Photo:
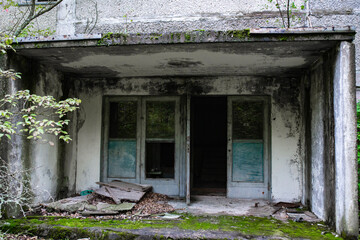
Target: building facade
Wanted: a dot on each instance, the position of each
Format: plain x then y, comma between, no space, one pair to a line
200,97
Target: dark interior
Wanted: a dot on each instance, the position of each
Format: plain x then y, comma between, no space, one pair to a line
208,145
160,160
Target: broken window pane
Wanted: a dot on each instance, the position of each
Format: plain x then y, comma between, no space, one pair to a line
247,120
160,159
160,139
123,119
160,119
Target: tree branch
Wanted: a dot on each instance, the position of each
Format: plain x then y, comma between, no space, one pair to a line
32,15
281,14
45,10
288,13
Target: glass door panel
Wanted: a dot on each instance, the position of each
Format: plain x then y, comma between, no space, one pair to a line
247,147
247,126
122,140
160,141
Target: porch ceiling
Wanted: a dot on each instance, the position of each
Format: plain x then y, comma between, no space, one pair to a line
214,57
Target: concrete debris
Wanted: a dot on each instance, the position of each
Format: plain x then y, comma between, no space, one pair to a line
71,205
119,195
115,198
125,186
80,204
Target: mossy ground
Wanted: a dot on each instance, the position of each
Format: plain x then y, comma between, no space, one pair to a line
247,226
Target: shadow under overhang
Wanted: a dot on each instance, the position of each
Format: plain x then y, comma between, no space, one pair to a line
225,54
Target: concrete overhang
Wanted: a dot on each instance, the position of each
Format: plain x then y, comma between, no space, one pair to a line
249,52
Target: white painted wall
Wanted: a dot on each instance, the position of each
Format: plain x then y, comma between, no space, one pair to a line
89,141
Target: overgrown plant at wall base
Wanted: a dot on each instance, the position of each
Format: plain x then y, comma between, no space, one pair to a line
28,116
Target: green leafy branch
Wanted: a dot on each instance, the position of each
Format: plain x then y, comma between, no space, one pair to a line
25,16
33,116
287,10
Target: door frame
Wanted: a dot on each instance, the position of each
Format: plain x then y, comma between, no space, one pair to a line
105,136
169,185
246,189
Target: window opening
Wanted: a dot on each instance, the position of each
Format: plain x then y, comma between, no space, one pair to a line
160,139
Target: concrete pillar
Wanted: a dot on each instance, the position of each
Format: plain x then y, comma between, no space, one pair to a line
12,151
66,18
3,91
345,143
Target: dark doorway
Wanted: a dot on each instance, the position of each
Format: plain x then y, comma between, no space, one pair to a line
208,145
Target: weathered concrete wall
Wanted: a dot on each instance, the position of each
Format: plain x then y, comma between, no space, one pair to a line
44,158
170,16
321,140
286,162
345,143
83,16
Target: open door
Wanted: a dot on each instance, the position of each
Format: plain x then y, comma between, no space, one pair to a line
248,148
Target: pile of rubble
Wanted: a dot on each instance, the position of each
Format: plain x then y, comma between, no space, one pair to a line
116,199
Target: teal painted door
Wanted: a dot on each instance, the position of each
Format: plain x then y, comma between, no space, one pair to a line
121,140
248,160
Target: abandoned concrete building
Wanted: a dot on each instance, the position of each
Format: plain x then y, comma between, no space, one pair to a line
199,97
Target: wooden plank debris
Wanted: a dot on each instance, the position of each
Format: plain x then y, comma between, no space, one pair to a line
125,186
112,195
119,195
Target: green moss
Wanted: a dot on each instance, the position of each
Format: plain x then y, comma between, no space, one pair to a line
244,225
178,36
187,37
112,36
239,34
155,36
289,38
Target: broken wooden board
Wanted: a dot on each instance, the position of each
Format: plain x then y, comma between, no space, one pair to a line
112,195
125,186
133,196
